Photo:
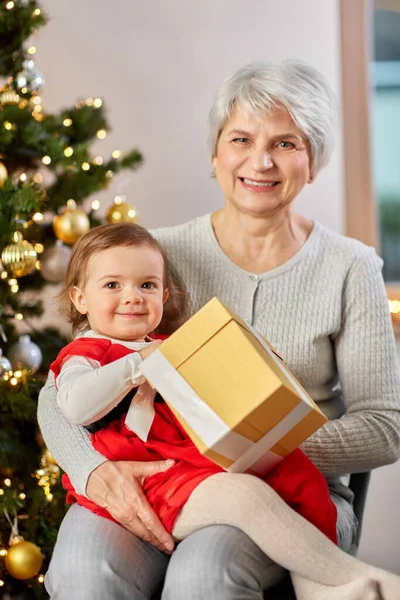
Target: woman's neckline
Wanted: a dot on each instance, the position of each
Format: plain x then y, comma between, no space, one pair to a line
293,260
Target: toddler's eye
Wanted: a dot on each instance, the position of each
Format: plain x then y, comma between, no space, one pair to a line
148,285
112,285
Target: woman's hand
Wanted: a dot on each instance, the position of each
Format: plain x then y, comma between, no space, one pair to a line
117,487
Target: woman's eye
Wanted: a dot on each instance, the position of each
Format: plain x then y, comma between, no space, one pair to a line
148,285
285,145
241,140
112,285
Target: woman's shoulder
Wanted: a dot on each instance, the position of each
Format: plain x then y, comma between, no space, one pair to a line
341,249
183,234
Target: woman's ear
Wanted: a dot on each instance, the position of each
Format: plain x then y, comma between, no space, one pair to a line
213,164
166,295
78,299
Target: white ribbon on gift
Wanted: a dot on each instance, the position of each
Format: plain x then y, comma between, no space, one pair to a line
140,415
210,428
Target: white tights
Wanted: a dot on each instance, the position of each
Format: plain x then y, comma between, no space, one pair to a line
318,568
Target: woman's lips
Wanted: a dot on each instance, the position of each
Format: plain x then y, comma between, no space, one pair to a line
263,185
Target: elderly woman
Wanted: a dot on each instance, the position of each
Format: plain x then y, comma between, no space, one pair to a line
317,296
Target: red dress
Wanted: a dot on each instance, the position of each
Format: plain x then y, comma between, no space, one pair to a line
295,479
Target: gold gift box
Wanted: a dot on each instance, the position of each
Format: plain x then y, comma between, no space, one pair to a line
231,391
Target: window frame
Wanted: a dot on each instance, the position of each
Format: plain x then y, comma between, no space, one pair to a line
361,218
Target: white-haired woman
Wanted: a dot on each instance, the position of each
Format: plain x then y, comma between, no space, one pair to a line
317,296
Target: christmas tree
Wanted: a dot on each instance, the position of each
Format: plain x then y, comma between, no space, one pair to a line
46,174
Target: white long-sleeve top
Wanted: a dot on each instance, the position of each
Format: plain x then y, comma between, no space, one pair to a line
325,311
88,391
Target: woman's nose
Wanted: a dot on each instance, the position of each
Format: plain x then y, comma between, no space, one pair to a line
261,160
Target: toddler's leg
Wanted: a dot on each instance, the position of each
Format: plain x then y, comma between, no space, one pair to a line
363,588
249,504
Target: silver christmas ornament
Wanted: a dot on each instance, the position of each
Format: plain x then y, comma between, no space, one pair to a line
29,80
54,262
25,354
5,366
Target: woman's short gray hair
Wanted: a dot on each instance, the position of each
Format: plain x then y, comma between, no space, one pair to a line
297,86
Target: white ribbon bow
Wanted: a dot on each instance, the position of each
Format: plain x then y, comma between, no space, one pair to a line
140,415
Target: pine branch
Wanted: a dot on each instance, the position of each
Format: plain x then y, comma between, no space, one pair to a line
10,502
17,201
17,403
16,26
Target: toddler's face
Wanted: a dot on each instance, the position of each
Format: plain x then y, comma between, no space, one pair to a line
124,292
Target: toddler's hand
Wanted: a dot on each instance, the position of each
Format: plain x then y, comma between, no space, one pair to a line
150,348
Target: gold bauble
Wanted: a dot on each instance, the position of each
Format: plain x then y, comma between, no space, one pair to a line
71,224
121,212
8,95
19,257
23,560
3,174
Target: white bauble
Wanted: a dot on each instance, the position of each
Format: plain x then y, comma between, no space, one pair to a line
54,262
25,354
5,365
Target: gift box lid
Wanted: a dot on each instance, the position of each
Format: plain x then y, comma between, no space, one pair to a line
196,332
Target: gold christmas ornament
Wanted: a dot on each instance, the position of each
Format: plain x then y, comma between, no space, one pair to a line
3,174
23,560
8,95
19,257
71,224
121,212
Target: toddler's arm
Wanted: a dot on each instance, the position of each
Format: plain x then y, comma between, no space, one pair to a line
88,391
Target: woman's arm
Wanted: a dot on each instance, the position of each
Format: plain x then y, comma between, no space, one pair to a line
69,444
368,435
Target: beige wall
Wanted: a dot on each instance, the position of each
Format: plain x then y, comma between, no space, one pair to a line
157,65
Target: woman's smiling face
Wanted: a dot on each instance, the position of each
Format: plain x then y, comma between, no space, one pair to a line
261,163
